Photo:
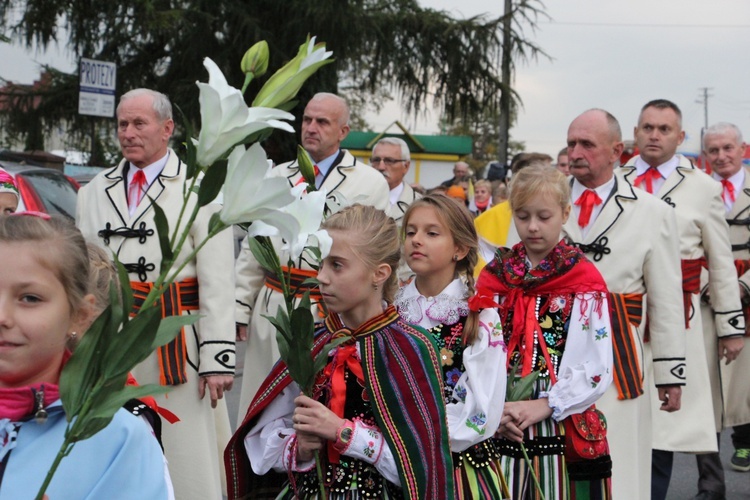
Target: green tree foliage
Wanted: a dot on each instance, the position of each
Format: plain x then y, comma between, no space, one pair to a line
380,46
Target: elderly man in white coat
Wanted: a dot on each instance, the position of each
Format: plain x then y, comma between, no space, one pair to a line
632,239
391,157
704,242
723,148
114,211
325,123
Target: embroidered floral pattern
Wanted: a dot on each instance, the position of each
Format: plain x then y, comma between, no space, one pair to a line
477,423
460,393
451,378
369,449
446,357
444,308
601,333
595,380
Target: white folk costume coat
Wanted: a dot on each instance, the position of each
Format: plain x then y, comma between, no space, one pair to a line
703,231
733,381
633,243
349,181
407,197
191,445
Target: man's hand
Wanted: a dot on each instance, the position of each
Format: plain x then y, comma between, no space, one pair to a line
730,348
670,397
216,384
241,332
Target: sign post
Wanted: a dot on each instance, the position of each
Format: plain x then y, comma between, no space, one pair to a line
96,93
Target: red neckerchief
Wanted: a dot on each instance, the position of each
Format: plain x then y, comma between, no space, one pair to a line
565,270
481,206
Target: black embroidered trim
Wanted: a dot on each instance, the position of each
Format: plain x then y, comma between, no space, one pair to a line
598,248
142,233
741,246
140,268
550,445
669,202
739,222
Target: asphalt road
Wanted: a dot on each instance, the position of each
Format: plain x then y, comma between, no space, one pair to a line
684,476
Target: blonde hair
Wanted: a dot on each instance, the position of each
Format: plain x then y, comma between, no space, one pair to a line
102,274
377,240
539,179
483,183
459,221
58,245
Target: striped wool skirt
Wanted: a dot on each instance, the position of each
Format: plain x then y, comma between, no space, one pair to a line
544,445
478,474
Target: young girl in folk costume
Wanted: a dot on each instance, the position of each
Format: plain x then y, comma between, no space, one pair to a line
9,196
440,246
44,301
556,321
377,416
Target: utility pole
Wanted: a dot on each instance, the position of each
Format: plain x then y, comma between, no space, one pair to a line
505,97
704,100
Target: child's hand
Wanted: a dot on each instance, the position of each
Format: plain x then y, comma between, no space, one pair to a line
519,415
307,444
314,418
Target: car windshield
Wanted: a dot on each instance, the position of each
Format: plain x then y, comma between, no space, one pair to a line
55,191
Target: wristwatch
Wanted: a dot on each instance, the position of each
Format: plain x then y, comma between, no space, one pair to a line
344,435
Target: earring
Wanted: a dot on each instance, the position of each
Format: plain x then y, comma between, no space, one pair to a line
73,335
455,258
375,286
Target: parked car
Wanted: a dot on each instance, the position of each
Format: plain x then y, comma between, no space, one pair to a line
43,189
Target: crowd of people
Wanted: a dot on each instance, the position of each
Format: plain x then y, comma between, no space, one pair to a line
556,333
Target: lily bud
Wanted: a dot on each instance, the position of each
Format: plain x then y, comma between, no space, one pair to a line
255,60
306,168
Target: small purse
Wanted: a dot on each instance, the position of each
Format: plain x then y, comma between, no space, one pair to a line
585,435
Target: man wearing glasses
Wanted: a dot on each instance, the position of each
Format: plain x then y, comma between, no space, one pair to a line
390,157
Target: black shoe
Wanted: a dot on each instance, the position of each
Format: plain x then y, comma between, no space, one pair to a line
709,495
741,459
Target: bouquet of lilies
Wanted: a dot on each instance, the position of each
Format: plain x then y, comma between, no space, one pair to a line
93,382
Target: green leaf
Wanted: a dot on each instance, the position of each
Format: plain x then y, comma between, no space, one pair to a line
322,358
126,292
261,253
162,229
304,304
284,347
215,224
303,324
133,344
523,388
84,367
170,327
191,152
212,182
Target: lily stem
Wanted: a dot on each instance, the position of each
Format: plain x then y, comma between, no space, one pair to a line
531,470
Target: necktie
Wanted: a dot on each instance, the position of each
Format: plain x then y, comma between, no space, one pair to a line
587,201
649,176
302,179
728,191
136,189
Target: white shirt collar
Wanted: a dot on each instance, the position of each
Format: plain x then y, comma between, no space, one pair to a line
665,169
150,171
737,180
602,191
395,193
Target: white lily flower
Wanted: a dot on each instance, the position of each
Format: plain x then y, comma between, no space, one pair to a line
286,82
249,193
225,118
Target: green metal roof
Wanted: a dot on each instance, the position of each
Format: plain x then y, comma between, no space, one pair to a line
435,144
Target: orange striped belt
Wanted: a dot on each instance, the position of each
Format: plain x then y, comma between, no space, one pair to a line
179,297
626,309
691,283
297,278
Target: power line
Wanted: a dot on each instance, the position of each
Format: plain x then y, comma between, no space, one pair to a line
647,25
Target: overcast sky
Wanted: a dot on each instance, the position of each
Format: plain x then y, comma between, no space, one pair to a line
615,55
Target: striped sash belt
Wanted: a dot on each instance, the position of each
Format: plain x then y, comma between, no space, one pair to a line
179,297
297,283
691,283
627,309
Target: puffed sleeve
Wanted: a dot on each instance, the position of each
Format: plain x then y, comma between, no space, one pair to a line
585,370
478,397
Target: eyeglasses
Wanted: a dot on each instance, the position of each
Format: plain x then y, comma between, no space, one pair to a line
388,161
